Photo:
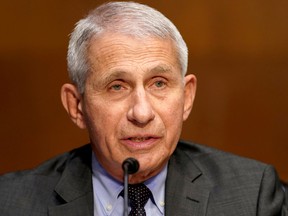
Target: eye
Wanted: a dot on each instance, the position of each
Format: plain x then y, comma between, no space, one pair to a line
159,84
116,87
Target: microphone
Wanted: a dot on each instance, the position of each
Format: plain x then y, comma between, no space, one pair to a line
129,166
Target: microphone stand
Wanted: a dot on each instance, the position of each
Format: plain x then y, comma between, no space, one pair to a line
126,192
129,166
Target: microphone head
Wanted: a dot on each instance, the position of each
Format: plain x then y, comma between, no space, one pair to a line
131,165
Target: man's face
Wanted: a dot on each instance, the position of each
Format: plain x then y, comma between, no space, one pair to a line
134,103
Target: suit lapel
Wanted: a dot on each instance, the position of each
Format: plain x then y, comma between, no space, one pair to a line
187,190
75,186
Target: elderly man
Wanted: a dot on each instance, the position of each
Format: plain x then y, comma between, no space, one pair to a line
127,63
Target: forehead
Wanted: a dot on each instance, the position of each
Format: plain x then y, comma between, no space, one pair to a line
116,50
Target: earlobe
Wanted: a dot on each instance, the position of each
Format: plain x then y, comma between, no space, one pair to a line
72,102
189,94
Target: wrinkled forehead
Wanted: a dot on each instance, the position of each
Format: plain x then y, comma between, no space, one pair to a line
109,42
113,55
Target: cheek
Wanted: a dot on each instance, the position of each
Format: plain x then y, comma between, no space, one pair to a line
94,117
171,112
104,121
101,112
172,118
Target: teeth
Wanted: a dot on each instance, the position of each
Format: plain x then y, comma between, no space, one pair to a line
139,139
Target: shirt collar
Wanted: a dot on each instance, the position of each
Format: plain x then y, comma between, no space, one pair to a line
104,184
109,188
157,186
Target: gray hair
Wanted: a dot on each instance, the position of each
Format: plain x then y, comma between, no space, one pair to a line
128,18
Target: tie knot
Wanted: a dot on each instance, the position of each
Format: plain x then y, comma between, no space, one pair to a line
138,195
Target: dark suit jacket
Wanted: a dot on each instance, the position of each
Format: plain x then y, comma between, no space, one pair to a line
201,181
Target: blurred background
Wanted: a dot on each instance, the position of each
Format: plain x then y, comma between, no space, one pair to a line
237,49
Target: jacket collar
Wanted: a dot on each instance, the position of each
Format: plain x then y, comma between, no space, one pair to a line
187,189
75,186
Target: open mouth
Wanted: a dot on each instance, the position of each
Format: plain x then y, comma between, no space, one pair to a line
139,139
141,142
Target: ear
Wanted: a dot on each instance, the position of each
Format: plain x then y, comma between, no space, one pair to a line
72,102
189,94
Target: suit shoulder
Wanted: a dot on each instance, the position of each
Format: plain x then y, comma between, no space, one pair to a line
239,181
24,192
216,161
48,168
45,175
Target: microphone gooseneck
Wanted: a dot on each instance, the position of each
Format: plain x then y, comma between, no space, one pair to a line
129,166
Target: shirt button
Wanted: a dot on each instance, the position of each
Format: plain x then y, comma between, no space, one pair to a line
109,207
162,203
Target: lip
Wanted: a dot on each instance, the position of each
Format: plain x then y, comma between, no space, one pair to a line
140,141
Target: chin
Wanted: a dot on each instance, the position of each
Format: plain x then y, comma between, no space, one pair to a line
141,176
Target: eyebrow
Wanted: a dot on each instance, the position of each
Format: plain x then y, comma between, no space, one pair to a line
115,75
162,69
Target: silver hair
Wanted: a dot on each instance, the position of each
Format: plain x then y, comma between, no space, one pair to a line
128,18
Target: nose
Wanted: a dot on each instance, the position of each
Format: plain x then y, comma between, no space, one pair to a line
140,111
